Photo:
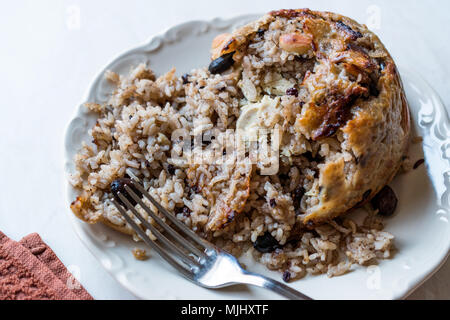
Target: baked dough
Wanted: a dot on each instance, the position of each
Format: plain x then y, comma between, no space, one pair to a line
353,91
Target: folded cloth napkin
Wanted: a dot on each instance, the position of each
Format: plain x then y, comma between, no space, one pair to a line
29,269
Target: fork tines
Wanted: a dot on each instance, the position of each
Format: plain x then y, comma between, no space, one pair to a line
178,245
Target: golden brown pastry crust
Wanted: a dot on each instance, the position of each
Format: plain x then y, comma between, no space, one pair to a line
377,125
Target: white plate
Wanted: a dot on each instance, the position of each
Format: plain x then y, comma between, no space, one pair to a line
421,224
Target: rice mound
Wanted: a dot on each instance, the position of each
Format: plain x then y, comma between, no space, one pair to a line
332,92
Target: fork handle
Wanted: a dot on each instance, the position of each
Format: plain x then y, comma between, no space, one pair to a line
276,286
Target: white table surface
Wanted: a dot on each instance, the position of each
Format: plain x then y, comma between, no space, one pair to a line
51,49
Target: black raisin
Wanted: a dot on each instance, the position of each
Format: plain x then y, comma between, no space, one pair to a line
195,189
230,217
186,211
266,243
185,78
286,276
178,210
385,201
118,186
309,156
297,196
171,169
260,32
222,63
292,92
273,203
310,225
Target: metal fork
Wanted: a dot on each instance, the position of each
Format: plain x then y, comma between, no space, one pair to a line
195,258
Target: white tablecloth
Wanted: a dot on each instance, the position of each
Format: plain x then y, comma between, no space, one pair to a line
50,50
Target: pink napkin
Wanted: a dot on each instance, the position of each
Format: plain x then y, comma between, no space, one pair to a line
29,269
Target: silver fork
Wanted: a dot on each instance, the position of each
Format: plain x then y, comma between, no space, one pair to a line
195,258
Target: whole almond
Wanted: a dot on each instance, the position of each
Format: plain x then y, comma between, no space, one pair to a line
296,42
222,44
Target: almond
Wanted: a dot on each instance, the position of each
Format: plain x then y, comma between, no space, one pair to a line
222,44
296,42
